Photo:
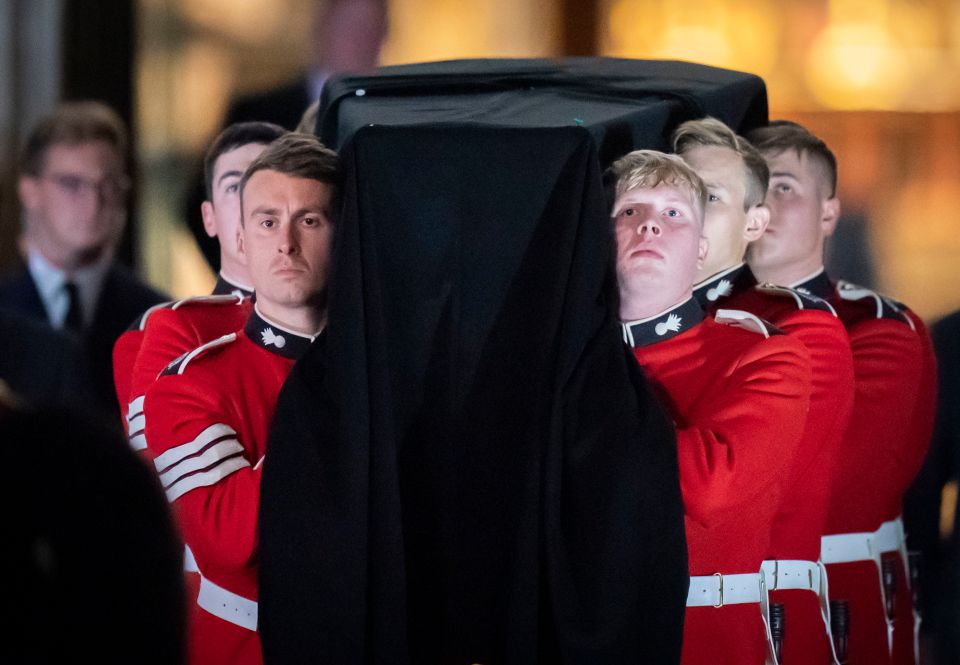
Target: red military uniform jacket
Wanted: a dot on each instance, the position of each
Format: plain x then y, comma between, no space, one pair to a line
739,400
169,333
190,331
802,515
207,417
125,351
884,446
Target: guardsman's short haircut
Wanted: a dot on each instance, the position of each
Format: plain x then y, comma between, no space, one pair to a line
649,168
782,135
236,136
298,156
73,124
711,132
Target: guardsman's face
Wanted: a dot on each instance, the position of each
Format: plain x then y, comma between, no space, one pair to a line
659,238
286,239
76,205
221,215
726,224
802,212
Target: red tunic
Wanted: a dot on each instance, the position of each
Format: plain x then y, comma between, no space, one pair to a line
801,517
171,332
125,351
881,454
739,400
206,425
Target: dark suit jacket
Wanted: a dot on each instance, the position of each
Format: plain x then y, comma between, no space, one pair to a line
40,364
124,297
940,566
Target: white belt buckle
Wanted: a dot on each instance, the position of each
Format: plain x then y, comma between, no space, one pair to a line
720,577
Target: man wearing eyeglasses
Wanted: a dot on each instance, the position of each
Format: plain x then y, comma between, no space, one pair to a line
73,190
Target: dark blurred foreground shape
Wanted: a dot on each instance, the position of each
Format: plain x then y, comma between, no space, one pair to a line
940,557
94,567
469,466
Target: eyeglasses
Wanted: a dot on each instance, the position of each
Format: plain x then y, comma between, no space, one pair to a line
111,187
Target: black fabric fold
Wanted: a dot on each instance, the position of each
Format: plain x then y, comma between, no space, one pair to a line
469,467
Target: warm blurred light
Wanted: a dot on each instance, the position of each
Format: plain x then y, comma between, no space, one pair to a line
152,109
857,66
813,54
918,243
730,33
202,80
190,273
448,29
251,21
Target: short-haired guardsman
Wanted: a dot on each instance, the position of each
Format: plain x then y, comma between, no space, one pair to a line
207,415
893,404
735,216
738,391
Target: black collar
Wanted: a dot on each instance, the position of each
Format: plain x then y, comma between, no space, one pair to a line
818,285
224,287
728,283
663,326
276,339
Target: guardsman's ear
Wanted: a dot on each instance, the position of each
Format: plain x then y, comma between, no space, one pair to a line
209,218
241,250
702,251
829,215
758,217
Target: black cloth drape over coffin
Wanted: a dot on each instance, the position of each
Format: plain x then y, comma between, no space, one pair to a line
468,466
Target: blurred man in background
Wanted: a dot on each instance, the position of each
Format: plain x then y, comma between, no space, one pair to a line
73,190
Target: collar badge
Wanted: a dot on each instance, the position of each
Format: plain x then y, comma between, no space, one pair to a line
671,324
269,337
723,288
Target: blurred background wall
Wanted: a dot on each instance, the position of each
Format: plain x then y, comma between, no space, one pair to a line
878,79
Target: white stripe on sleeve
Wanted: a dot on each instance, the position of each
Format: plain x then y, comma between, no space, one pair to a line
181,452
206,478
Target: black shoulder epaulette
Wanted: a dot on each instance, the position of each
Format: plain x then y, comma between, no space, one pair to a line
803,299
180,364
741,319
885,308
228,299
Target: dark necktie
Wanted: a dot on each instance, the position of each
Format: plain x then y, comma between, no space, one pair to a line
74,320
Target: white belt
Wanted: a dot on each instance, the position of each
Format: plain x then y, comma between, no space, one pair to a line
227,605
869,546
863,546
781,575
718,590
792,574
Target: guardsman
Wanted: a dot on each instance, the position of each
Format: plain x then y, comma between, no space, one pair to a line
890,424
207,415
736,178
168,330
738,392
